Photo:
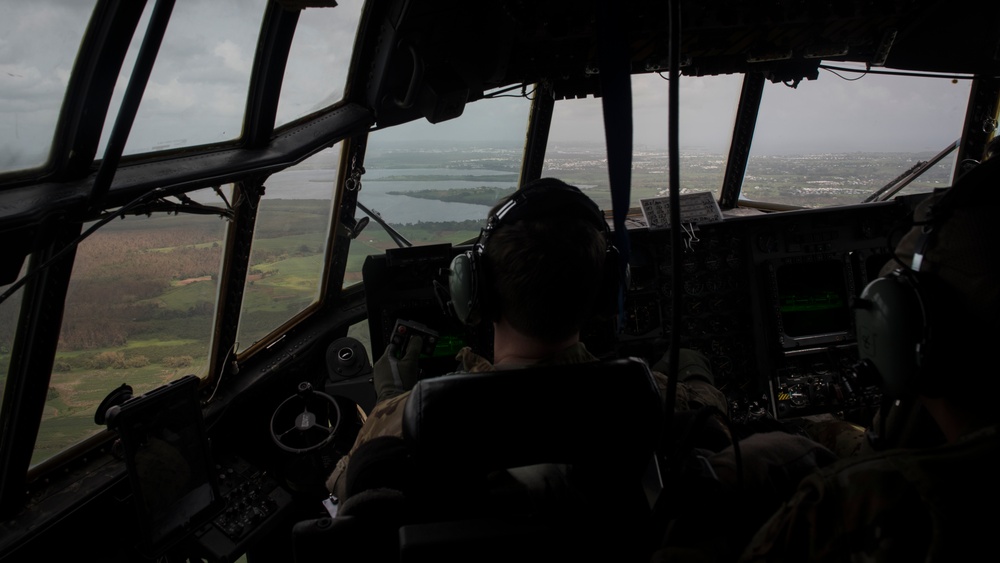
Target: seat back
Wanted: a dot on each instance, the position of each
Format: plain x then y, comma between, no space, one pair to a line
600,422
573,413
587,432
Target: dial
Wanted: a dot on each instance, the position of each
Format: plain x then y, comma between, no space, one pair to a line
767,242
689,264
733,260
713,262
640,318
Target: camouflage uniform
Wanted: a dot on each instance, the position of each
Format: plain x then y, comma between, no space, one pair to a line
694,389
842,437
900,505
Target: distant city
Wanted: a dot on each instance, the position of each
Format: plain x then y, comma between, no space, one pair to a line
809,180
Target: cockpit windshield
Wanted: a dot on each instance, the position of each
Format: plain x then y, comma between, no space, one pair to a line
201,75
36,61
838,139
436,184
266,199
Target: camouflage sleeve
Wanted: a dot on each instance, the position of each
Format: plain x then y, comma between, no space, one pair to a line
862,509
842,437
797,531
386,419
335,483
693,394
695,381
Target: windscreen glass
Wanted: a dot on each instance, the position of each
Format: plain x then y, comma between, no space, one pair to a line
38,45
197,91
840,138
316,72
431,184
287,259
140,309
577,150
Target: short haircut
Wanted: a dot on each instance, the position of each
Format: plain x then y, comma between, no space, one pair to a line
546,270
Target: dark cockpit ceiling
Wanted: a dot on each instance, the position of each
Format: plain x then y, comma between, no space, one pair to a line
459,49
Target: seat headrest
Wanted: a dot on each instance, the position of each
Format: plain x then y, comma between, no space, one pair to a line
594,413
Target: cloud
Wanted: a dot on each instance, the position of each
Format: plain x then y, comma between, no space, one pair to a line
38,44
198,90
232,57
875,113
315,75
171,96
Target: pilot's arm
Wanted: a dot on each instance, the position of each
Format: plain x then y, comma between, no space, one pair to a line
394,375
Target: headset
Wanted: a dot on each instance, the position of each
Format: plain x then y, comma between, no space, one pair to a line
470,296
895,315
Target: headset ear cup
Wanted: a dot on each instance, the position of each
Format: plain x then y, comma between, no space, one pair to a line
463,287
891,329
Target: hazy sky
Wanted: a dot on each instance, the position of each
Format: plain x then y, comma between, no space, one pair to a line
197,92
830,114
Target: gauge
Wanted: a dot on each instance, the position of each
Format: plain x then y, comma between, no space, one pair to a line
694,287
722,366
693,306
667,290
639,318
767,242
638,278
797,396
714,284
733,260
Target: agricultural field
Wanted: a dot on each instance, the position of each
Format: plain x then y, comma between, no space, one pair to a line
140,309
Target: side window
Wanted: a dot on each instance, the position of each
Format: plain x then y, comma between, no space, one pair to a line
139,310
288,256
435,184
197,90
317,62
9,312
36,63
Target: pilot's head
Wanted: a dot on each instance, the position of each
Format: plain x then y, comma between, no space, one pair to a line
957,245
934,316
544,259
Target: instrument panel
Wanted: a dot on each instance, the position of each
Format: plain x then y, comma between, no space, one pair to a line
765,297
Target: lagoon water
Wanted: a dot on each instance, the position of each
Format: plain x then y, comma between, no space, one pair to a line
376,185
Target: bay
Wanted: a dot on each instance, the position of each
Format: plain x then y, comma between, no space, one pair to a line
376,186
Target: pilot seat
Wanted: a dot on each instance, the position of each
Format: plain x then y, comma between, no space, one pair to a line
529,464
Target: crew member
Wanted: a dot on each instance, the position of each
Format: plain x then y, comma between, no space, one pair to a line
927,328
543,268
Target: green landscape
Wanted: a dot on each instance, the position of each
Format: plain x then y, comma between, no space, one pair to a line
141,303
482,195
140,307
